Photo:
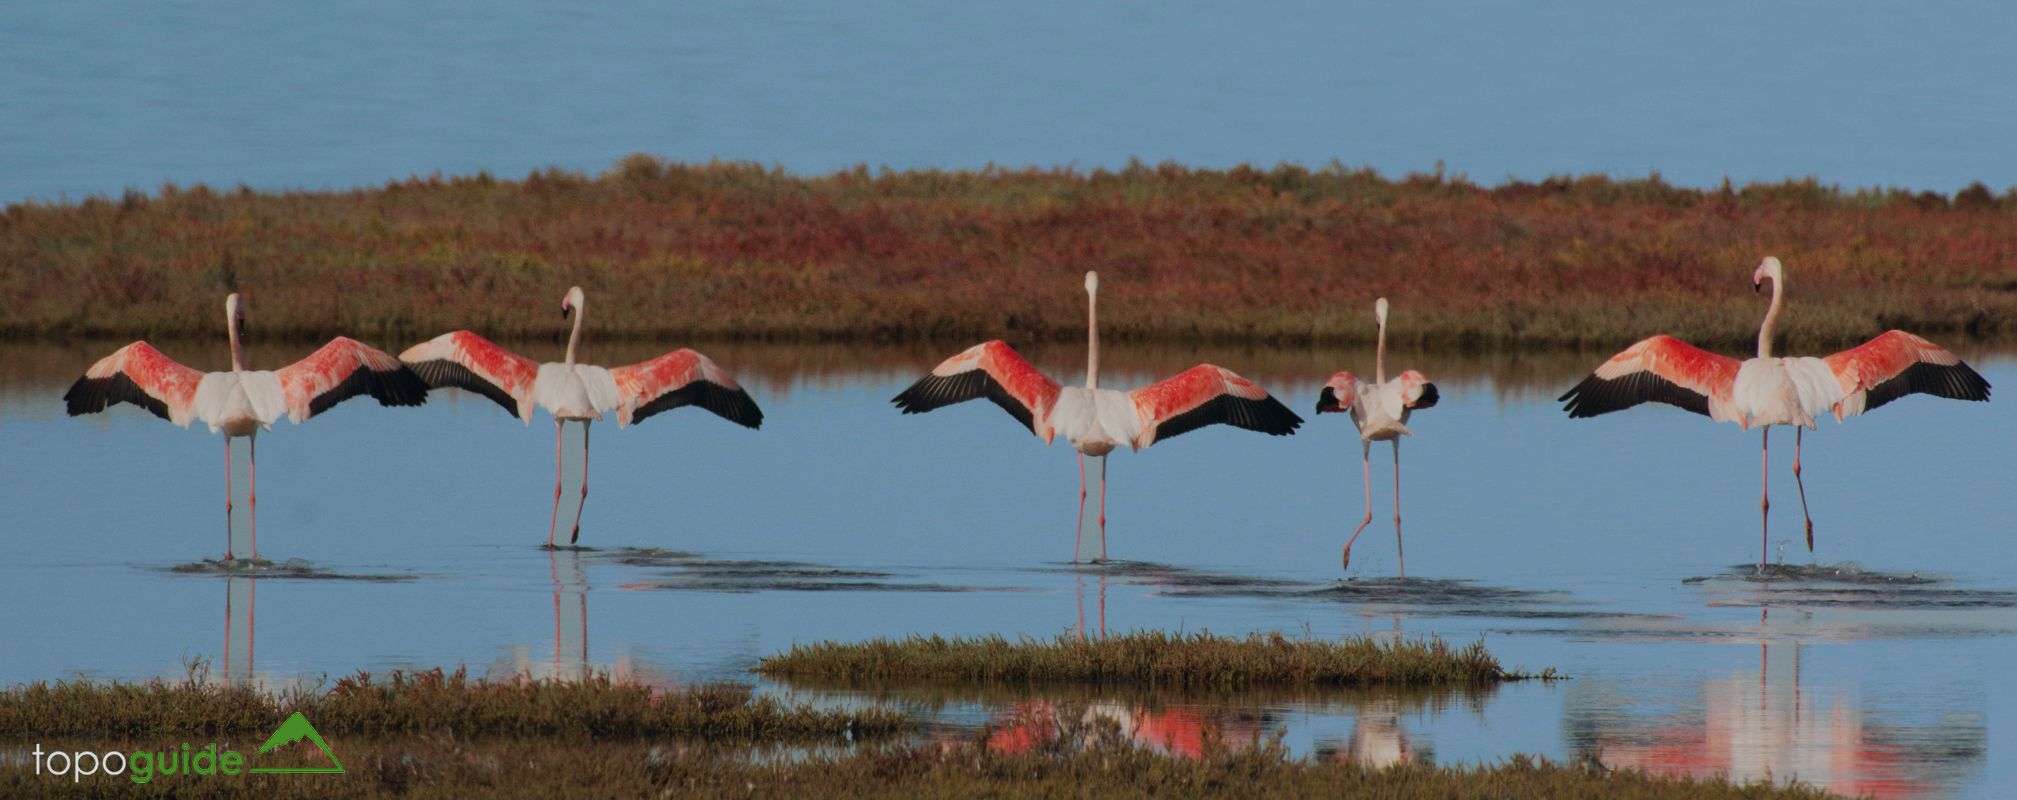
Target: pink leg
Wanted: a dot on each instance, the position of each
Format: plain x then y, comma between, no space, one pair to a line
1078,538
1103,509
558,426
1366,462
1797,432
1764,499
252,493
576,536
1398,552
227,498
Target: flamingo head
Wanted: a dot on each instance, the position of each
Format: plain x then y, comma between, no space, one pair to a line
1092,282
1417,391
1380,310
234,311
1769,268
1339,394
570,301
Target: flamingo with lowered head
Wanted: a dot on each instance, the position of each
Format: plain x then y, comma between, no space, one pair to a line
1095,420
582,393
1380,411
1766,391
243,402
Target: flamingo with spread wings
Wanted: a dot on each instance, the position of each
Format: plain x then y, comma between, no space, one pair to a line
1766,391
582,393
1380,411
1096,421
241,402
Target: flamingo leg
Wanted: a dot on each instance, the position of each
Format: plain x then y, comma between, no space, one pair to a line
1764,498
558,426
227,499
1398,552
1797,433
586,425
1366,462
1078,538
1103,509
252,492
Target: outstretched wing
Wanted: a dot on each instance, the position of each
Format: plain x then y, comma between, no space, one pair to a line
465,360
342,369
1661,369
141,375
992,370
1207,395
1896,364
681,378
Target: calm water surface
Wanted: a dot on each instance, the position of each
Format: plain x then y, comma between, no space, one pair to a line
1603,548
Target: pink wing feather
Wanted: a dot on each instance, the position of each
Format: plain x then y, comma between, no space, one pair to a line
465,360
1896,364
1207,395
992,370
680,378
141,375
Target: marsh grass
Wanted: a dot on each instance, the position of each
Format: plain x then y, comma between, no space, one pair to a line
445,767
734,251
1151,658
432,701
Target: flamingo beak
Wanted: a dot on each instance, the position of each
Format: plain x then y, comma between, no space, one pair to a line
1757,287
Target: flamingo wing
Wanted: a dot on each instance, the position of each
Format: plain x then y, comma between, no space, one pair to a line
1896,364
1207,395
465,360
1660,369
681,378
992,370
141,375
345,368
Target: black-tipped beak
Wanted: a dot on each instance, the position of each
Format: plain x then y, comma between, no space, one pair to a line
1757,287
1327,401
564,311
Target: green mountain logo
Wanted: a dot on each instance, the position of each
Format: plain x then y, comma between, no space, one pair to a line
293,730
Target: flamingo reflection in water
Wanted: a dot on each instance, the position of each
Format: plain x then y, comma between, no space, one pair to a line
570,660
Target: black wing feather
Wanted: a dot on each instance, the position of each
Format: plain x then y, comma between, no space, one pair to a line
91,395
1266,415
443,372
734,405
398,387
1956,382
1599,396
936,391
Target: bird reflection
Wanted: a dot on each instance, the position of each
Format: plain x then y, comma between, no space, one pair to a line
1761,725
1101,593
240,595
570,655
1187,731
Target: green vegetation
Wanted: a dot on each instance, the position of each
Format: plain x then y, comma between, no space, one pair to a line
1284,255
446,768
1172,661
432,702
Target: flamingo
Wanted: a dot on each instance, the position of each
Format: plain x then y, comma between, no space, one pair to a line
582,393
241,402
1380,411
1766,391
1096,421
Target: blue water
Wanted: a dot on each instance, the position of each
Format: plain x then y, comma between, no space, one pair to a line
1567,544
98,97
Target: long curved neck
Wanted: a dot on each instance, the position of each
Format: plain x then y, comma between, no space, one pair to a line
574,339
1771,319
1092,341
1380,355
237,347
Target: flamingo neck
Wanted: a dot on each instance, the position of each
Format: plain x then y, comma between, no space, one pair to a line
574,339
1771,319
1092,342
237,347
1380,355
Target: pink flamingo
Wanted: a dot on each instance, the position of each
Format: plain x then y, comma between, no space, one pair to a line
1095,420
1766,391
242,402
1380,411
582,393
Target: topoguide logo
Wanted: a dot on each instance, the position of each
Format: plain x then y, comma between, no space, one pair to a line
143,766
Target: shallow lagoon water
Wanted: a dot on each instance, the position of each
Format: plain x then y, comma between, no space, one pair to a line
1612,550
